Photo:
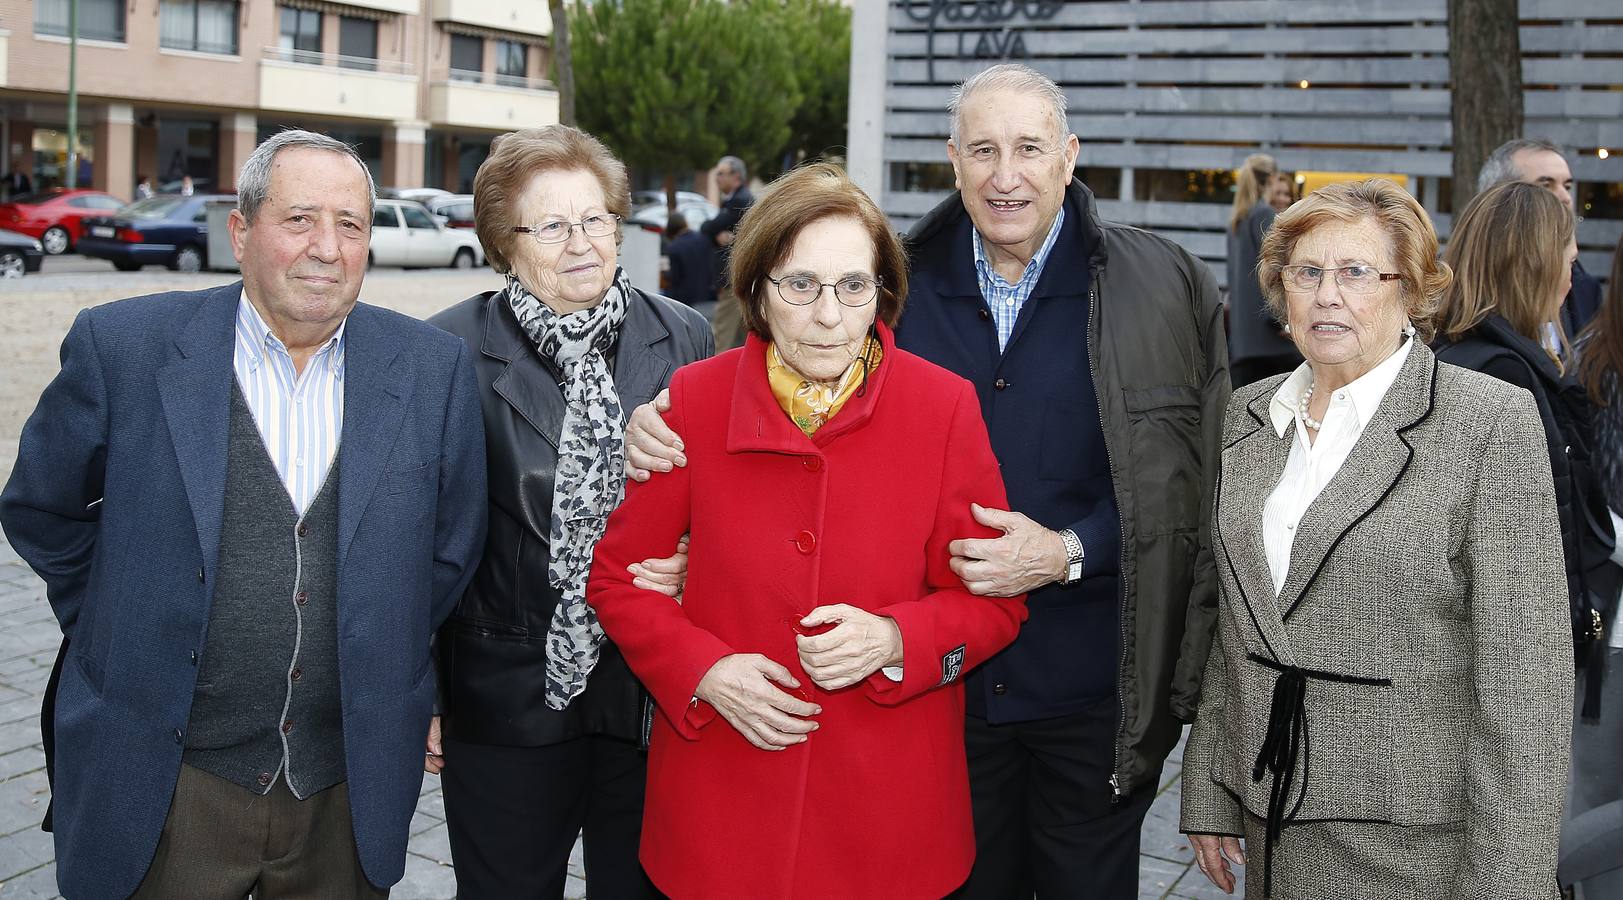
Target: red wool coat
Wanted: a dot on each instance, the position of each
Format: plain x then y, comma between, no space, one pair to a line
876,802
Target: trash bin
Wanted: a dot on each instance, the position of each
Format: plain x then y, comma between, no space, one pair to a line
217,213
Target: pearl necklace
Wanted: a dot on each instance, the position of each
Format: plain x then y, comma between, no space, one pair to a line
1308,420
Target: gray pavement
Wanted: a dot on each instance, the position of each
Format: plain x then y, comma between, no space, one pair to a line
34,315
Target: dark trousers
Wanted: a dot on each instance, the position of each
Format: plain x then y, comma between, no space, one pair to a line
222,841
1045,820
513,814
1255,368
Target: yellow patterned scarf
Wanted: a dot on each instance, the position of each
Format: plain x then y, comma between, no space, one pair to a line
809,404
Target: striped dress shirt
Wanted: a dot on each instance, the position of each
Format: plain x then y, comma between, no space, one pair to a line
1005,300
300,416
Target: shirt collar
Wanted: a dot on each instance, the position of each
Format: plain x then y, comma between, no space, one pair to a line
255,337
1364,394
1034,269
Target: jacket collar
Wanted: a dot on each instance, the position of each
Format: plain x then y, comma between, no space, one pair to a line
1251,469
1496,329
945,232
756,423
642,363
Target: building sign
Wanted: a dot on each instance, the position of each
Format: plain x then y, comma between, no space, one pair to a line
978,29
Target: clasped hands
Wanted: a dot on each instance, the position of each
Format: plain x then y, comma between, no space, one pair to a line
748,689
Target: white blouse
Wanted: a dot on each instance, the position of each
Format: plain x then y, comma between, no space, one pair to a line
1312,466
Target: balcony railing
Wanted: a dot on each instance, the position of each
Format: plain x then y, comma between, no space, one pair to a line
359,63
468,76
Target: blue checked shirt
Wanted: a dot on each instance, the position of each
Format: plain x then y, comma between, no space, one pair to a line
300,417
1005,299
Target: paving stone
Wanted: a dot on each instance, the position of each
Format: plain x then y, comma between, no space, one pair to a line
38,884
425,879
22,805
25,851
25,759
433,844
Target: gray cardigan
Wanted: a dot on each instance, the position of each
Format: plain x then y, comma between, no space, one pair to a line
1425,613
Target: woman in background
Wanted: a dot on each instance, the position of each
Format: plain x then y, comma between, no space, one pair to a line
1257,346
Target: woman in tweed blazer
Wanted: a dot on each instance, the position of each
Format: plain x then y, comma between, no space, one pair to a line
1386,714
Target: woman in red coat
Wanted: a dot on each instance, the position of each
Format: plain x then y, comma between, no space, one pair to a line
811,736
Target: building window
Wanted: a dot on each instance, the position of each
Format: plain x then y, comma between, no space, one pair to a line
205,26
357,43
301,33
467,58
512,63
99,20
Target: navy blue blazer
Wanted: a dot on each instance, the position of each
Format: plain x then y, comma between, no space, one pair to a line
117,500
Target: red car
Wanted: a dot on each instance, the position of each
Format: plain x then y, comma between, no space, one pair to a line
54,216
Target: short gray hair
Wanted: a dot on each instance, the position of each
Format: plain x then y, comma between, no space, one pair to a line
1007,77
1501,167
736,166
253,182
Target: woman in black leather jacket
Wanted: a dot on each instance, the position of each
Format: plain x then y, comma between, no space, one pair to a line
543,726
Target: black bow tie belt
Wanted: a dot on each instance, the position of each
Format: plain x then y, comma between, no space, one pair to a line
1284,743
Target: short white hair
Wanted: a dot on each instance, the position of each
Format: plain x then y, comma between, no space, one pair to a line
1012,77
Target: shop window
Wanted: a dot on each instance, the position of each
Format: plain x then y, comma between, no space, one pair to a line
203,26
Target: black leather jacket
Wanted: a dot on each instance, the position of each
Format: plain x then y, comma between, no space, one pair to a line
492,651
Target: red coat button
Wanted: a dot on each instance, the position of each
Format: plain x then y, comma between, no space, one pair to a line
813,463
806,541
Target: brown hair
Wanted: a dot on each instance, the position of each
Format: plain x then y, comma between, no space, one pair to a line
1251,185
1508,251
810,193
517,157
1602,344
1414,243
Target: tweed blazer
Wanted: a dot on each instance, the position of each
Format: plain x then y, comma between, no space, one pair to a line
1425,607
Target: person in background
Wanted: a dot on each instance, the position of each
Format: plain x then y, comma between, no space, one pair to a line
1538,161
143,187
1257,346
18,183
1386,710
732,179
186,187
1281,191
1595,797
691,260
1512,251
543,725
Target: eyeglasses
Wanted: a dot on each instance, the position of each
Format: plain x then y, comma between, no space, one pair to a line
1355,279
802,290
556,231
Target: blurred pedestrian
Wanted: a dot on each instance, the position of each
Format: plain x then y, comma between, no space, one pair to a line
1595,798
186,187
691,262
1257,346
1512,251
1538,161
143,187
1386,710
732,179
1282,191
543,724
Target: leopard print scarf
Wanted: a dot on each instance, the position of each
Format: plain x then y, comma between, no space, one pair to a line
589,479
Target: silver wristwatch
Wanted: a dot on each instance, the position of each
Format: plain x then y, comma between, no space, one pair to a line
1073,557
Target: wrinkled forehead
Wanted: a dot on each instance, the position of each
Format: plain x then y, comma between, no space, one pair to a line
1535,165
1002,116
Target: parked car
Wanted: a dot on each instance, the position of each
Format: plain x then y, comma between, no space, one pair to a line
19,254
639,199
168,229
419,194
55,216
455,210
199,185
407,234
655,216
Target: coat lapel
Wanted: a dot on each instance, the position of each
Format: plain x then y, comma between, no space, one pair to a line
1377,461
195,389
374,391
525,384
1252,466
641,364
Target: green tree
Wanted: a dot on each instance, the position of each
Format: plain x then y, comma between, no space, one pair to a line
672,85
820,31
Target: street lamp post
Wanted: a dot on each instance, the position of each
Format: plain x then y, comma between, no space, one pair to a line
73,94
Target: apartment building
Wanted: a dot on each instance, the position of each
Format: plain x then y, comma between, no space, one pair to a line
188,87
1169,96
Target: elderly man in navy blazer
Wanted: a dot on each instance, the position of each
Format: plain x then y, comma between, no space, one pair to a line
251,507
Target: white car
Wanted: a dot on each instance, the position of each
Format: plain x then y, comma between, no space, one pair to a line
406,234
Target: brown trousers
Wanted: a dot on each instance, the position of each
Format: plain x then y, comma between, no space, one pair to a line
727,321
223,842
